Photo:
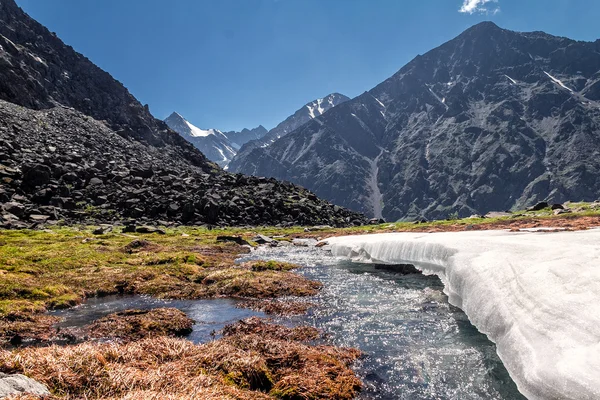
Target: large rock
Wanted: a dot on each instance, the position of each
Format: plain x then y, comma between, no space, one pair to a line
11,385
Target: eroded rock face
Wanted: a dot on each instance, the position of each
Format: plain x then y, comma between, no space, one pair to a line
11,385
76,146
490,120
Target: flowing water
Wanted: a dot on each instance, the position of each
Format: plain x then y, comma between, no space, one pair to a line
416,345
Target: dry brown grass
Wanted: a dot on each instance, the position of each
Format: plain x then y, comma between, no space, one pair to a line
138,324
252,361
27,327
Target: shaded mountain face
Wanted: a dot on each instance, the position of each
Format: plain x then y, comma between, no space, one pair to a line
211,142
76,146
491,120
243,163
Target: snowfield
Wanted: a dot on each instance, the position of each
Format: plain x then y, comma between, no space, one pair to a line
535,294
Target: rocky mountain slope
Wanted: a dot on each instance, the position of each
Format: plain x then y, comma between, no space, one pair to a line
243,162
490,120
211,142
76,146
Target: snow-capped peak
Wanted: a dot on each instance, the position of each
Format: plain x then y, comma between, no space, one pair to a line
177,122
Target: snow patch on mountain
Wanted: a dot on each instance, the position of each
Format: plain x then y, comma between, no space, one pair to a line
559,82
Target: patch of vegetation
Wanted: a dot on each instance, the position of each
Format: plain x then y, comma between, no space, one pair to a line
61,267
271,266
137,324
253,360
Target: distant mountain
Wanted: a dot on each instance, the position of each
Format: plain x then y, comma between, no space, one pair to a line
238,139
243,163
213,143
491,120
77,147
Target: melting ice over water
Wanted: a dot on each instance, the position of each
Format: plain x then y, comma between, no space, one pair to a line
536,295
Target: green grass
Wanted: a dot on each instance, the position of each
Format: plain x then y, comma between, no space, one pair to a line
60,267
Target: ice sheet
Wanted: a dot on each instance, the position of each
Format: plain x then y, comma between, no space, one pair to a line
535,294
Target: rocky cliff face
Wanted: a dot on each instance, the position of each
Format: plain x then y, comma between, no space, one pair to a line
491,120
76,146
244,163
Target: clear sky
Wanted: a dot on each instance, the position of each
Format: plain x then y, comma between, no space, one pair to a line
231,64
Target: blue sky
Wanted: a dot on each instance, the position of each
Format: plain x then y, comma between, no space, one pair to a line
230,64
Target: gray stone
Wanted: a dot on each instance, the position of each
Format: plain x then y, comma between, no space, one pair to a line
497,214
14,208
16,384
39,217
95,182
261,239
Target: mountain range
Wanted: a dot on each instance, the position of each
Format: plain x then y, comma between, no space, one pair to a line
303,115
233,147
77,147
491,120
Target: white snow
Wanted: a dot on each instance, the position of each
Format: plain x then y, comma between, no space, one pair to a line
535,294
321,109
221,152
438,98
558,82
315,108
197,132
377,100
511,79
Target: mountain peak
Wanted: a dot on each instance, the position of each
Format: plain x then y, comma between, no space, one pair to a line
483,29
175,115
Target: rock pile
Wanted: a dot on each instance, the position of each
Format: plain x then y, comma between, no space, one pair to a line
60,165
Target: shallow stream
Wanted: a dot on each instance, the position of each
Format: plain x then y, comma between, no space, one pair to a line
210,315
416,345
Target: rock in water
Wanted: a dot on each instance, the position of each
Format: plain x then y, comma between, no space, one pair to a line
11,385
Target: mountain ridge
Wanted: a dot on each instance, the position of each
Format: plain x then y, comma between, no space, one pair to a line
301,116
479,123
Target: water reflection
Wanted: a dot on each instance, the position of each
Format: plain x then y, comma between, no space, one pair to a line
211,315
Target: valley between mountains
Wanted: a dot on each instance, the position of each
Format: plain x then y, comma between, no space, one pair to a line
433,237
